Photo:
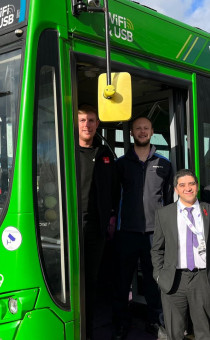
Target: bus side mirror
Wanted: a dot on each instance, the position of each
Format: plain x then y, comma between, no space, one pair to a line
115,100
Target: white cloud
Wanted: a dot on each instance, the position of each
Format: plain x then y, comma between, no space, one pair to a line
200,17
182,10
173,8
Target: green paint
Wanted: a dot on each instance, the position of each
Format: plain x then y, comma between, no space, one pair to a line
193,54
195,122
33,326
204,59
8,330
136,28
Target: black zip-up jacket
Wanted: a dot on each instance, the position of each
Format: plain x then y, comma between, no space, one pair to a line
146,186
103,187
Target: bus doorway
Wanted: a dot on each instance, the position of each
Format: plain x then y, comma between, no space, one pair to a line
166,102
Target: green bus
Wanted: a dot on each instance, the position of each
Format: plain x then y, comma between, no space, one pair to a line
51,55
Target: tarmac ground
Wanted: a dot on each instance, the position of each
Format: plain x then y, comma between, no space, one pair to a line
103,311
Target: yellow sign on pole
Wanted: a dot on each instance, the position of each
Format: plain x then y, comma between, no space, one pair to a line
115,100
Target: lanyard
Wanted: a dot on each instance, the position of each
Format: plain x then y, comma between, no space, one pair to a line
197,219
201,240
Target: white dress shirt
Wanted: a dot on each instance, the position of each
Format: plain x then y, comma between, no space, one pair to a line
200,261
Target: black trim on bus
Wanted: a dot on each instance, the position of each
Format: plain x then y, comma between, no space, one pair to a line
50,57
11,37
20,44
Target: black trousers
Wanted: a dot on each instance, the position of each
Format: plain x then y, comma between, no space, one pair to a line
190,291
129,246
94,244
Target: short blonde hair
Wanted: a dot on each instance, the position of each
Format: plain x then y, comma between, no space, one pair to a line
86,108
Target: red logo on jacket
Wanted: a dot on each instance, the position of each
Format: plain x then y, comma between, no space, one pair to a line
205,212
106,160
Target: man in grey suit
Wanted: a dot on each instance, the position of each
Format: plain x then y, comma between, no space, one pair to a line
181,258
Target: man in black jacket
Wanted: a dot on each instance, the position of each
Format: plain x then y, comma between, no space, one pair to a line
147,183
98,200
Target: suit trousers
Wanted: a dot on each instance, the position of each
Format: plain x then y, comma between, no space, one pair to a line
190,292
129,246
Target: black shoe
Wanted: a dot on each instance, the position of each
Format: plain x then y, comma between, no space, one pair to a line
120,333
157,330
89,337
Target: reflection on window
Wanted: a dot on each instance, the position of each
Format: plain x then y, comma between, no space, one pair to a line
49,186
186,152
9,84
206,167
119,152
161,145
119,135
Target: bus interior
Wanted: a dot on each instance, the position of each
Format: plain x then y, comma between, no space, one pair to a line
165,101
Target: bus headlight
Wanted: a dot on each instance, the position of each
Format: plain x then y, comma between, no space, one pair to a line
13,307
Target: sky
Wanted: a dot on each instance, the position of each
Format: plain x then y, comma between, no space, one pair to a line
193,12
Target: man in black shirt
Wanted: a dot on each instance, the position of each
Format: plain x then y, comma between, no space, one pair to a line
98,193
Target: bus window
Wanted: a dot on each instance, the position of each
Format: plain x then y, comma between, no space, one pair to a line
50,197
161,144
119,147
9,80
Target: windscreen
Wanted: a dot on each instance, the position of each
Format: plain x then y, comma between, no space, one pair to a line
9,81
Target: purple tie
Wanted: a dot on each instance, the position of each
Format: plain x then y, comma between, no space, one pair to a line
191,241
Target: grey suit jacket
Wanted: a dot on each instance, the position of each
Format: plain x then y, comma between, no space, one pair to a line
165,244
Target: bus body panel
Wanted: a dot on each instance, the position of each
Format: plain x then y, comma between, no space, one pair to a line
33,326
9,329
139,29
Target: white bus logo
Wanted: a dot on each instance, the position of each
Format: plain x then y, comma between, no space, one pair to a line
7,15
121,28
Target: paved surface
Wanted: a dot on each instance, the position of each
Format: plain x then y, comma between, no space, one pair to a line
103,314
103,325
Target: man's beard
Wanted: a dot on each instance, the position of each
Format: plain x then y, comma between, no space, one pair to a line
138,143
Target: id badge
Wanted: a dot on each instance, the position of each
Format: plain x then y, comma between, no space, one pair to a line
202,247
